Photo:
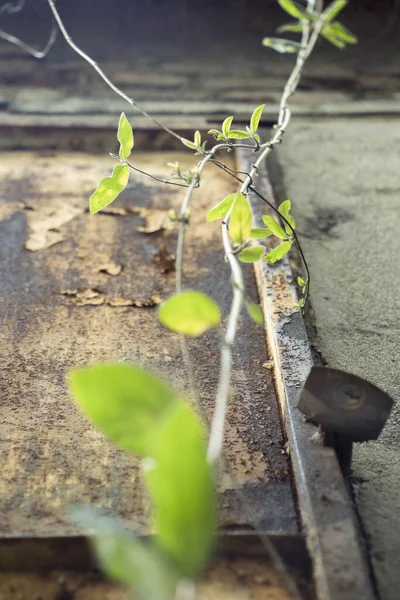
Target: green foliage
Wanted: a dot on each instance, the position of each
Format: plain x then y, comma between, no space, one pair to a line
333,10
181,486
254,311
296,10
251,255
301,281
226,125
196,144
279,252
241,219
281,45
259,233
142,414
338,35
141,566
238,134
292,27
190,313
274,227
125,137
124,401
221,210
284,210
109,188
256,117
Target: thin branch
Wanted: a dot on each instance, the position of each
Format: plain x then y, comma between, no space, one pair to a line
29,49
10,8
96,67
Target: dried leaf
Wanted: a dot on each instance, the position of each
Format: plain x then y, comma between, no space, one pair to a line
44,223
165,260
111,268
155,219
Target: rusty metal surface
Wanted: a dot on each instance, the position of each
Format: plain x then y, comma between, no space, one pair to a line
326,512
77,289
233,578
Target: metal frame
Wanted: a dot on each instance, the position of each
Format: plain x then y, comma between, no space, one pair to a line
328,519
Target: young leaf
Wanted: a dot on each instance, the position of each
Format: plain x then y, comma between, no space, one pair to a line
326,33
255,312
214,132
275,228
301,281
181,486
284,210
197,139
124,401
301,302
189,144
341,33
190,313
251,255
221,210
333,10
226,125
255,118
278,252
125,558
238,134
292,27
240,221
259,233
109,188
281,45
296,10
125,137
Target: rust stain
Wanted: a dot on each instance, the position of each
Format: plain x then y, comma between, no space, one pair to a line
90,297
51,455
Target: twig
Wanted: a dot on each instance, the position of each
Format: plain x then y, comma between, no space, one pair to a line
29,49
10,8
96,67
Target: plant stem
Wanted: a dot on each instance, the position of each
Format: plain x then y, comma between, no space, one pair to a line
96,67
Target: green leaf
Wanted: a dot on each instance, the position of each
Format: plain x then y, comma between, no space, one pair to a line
197,139
281,45
190,313
292,27
274,227
341,33
259,233
189,144
124,401
226,125
251,255
333,10
181,486
255,312
109,188
125,137
221,210
238,134
255,118
301,281
123,557
278,252
284,210
296,10
214,132
301,302
332,38
241,219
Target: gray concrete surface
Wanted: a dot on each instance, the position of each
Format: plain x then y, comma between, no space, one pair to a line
343,177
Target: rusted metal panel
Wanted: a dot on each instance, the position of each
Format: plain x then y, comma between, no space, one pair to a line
77,289
327,516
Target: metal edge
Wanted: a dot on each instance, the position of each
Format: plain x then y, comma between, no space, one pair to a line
340,568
